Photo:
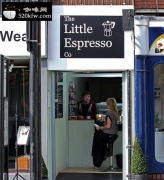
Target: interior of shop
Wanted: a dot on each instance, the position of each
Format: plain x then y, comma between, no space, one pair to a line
80,132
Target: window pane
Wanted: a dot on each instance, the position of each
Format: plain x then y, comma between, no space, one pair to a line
159,111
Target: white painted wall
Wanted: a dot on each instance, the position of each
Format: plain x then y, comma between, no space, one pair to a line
61,132
61,124
81,134
141,37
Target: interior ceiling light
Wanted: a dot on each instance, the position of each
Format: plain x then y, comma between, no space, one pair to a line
20,67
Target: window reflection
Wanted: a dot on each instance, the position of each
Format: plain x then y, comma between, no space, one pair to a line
159,112
19,84
18,104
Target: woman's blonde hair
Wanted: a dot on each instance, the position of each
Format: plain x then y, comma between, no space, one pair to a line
111,102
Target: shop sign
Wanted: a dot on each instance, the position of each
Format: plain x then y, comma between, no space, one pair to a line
13,38
91,37
156,40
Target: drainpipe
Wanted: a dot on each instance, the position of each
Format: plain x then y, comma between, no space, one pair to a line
129,146
33,99
157,7
39,102
34,47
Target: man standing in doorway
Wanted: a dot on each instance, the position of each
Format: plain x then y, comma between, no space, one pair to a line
86,107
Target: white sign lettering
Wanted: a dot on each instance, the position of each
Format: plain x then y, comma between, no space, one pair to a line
83,29
78,29
80,44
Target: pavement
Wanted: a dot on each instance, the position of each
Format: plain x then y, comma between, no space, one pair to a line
22,174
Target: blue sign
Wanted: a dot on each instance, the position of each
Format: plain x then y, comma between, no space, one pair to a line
156,40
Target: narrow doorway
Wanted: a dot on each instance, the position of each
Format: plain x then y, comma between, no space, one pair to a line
80,132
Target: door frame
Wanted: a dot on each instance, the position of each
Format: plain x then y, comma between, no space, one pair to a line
52,149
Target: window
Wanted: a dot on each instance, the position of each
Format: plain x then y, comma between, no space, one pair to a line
159,111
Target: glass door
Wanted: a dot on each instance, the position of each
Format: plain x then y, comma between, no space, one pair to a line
18,106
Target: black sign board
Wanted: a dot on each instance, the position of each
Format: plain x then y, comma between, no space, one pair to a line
91,37
58,95
128,19
56,109
56,86
60,110
60,77
60,101
73,109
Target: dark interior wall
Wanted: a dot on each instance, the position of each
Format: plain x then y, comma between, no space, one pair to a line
103,88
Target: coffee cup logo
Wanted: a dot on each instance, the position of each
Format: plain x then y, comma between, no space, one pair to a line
10,12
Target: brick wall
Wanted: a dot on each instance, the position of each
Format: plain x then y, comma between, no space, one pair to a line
156,176
92,2
148,4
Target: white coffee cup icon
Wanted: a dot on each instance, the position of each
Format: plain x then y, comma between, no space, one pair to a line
9,14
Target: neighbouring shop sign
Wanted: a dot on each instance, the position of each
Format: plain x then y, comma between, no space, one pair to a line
13,38
156,40
91,37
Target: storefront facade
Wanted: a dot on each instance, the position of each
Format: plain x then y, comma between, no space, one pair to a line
149,89
85,42
13,47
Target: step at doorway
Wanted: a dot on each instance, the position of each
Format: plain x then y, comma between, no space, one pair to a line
89,176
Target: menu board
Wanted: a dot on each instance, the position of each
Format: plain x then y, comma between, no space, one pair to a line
56,109
60,77
23,135
73,110
56,86
58,95
60,101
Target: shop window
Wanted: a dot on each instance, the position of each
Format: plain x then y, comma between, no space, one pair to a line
18,106
19,94
159,111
